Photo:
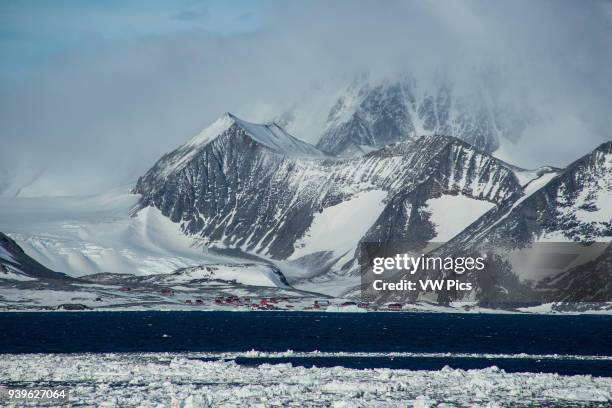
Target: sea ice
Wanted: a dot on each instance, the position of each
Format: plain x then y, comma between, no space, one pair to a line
163,379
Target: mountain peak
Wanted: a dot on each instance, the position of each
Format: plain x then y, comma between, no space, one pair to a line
228,128
269,135
372,113
213,130
605,147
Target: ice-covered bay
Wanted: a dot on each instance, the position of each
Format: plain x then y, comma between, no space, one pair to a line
161,379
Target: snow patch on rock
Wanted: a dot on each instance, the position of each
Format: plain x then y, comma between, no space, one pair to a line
338,228
451,214
87,235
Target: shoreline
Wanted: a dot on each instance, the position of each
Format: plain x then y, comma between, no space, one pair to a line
320,311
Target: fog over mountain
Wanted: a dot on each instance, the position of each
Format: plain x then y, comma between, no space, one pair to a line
91,99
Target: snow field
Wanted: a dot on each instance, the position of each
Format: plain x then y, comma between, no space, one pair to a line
452,214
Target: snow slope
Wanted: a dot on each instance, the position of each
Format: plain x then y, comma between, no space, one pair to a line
245,274
86,235
17,266
274,137
526,176
338,228
452,214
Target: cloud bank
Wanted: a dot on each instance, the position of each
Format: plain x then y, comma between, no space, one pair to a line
92,95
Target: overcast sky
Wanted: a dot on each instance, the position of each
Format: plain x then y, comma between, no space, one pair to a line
92,93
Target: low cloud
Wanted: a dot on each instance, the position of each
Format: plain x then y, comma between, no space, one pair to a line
98,113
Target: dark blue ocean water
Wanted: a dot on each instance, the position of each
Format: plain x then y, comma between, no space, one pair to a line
96,332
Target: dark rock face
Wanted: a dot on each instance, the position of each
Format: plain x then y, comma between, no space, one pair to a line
235,191
370,117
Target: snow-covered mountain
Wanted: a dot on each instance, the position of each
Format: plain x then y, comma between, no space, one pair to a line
565,215
370,114
258,206
269,136
25,284
574,204
235,189
83,235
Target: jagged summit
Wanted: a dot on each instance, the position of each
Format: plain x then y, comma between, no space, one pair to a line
371,114
569,204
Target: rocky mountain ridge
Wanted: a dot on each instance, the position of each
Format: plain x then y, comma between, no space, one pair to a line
236,192
372,114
